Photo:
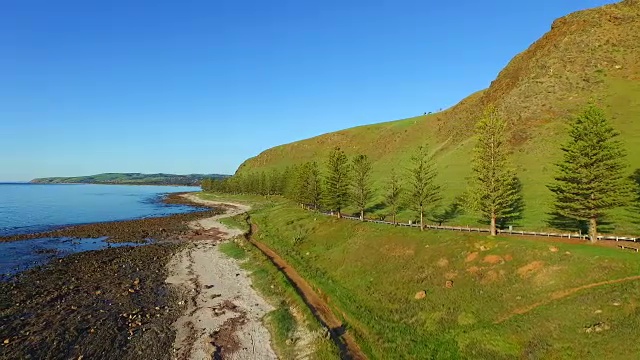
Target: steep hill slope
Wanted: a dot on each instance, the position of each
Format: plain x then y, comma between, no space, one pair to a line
588,55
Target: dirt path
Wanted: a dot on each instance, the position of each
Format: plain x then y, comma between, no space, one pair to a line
349,348
223,317
562,294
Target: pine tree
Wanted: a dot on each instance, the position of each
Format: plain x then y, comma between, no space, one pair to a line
337,181
394,191
314,192
301,185
361,188
495,189
273,179
283,185
590,179
423,192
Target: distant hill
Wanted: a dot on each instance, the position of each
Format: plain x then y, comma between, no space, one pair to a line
592,54
131,179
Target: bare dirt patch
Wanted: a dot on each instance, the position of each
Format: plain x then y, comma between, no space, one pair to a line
450,275
508,257
471,257
546,275
530,268
443,262
493,259
474,270
397,250
489,277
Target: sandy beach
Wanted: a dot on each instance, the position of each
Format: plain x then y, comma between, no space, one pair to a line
224,313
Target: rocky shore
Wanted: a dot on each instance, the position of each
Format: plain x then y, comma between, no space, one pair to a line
108,304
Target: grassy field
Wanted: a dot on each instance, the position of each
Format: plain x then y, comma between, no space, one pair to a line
587,55
510,298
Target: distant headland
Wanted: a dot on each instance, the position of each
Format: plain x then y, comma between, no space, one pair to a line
131,179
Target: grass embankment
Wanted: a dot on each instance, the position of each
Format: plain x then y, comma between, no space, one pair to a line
510,298
295,331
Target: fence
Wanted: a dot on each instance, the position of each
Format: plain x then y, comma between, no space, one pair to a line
502,232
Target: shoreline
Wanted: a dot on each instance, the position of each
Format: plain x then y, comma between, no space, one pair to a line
122,230
153,301
223,318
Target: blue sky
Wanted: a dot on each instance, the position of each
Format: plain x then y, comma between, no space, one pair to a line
199,86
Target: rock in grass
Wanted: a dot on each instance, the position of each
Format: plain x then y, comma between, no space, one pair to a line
421,295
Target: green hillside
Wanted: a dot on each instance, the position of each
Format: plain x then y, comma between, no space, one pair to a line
588,55
485,298
131,179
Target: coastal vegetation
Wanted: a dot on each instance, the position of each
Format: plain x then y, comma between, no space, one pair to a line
405,294
590,183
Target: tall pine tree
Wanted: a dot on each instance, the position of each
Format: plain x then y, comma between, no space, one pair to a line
301,192
423,191
392,196
495,189
361,187
591,179
337,181
314,193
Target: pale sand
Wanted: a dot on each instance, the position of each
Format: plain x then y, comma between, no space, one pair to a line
221,299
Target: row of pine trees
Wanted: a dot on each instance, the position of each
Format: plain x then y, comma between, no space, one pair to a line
590,181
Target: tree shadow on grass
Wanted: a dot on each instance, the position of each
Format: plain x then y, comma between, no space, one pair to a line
561,222
447,214
634,208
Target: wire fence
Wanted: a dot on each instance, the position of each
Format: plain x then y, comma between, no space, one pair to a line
501,232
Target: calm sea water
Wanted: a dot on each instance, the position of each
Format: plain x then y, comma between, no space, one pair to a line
26,208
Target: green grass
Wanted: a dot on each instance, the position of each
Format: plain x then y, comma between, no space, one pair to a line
538,105
370,274
268,280
233,250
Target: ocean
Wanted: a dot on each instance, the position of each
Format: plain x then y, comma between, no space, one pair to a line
27,208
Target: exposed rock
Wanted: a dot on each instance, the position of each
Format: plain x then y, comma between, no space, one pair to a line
421,295
599,327
449,284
